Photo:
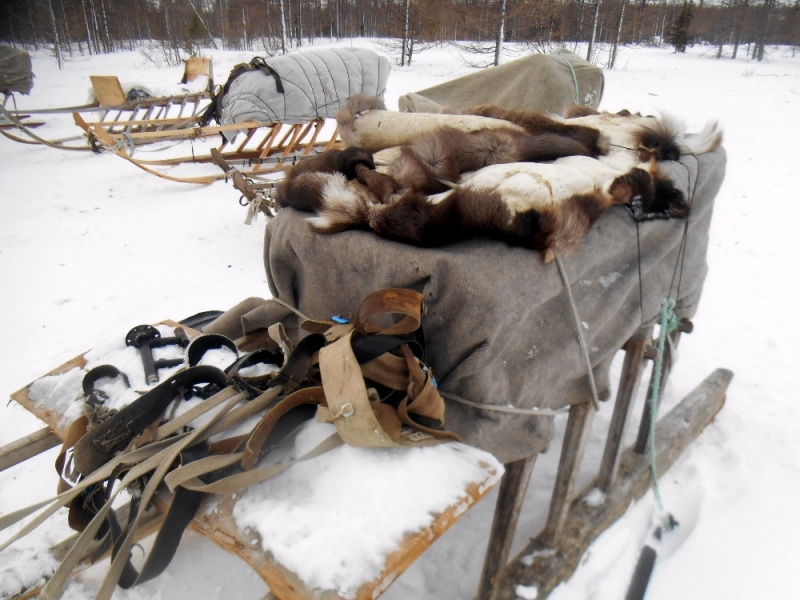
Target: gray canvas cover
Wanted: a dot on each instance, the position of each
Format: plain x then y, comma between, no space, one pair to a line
316,83
548,83
497,322
16,72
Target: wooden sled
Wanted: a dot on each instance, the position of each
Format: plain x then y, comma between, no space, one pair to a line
624,476
572,524
219,524
115,113
260,149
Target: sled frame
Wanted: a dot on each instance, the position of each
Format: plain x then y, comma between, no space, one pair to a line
116,114
264,150
624,476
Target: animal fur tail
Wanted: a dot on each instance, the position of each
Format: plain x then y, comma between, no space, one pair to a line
666,139
342,206
355,107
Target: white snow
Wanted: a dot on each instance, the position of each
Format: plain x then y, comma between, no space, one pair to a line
526,592
91,246
308,515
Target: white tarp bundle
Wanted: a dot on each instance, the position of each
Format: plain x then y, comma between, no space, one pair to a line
299,87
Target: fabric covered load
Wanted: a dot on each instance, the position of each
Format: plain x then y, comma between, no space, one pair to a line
16,72
300,87
497,324
549,83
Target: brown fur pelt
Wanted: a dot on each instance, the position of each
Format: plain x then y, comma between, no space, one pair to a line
451,185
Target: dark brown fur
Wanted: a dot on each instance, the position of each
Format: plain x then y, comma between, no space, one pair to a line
305,193
431,163
536,123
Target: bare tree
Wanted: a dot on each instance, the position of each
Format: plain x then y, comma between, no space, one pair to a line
498,49
54,29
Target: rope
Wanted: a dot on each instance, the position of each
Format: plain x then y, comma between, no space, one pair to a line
669,322
292,308
533,412
581,341
574,79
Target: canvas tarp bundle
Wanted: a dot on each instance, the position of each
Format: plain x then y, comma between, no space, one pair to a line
16,73
314,84
548,83
497,322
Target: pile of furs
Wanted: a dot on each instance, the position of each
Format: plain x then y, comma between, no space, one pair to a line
518,176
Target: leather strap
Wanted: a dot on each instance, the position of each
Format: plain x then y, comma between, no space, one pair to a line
390,301
100,443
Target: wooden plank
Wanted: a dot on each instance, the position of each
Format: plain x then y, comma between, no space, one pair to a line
146,122
220,527
576,436
629,380
193,132
666,367
108,90
27,447
513,486
674,432
309,146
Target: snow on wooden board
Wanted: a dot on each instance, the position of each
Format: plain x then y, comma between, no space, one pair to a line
400,500
91,245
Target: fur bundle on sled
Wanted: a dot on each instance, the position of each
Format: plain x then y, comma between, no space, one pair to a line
518,176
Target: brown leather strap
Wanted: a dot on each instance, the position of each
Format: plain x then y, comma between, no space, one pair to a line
252,451
390,301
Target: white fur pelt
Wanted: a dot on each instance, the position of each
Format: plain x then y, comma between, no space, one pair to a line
541,187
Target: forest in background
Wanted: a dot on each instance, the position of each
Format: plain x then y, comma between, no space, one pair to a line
169,30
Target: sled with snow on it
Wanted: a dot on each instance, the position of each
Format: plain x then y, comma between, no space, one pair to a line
270,114
79,399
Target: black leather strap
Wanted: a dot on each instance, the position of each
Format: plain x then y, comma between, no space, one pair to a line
100,443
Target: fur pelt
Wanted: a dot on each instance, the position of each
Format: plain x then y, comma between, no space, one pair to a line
541,183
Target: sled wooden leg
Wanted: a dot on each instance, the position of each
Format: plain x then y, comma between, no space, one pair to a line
666,367
628,385
586,521
506,513
27,447
579,426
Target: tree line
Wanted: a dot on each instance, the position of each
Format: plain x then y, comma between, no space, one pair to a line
180,27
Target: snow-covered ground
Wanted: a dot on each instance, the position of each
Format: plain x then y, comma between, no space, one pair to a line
90,246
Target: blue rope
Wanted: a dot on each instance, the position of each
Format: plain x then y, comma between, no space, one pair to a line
669,322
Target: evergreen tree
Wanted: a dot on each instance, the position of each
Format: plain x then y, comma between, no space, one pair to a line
679,30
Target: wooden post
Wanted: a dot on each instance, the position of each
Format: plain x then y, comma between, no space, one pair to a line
666,366
586,521
506,513
578,427
27,447
628,385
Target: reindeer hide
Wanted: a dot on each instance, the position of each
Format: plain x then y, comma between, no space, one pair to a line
524,178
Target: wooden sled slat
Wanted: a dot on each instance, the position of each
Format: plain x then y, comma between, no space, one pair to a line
294,142
108,90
